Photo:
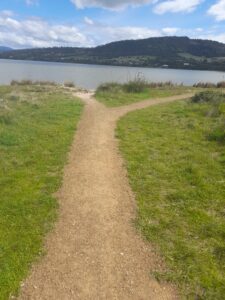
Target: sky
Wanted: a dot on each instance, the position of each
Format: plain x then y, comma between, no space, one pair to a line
87,23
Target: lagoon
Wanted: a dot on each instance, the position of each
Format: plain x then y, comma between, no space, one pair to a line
91,76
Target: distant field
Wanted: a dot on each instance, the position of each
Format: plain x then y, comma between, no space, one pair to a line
175,155
117,96
37,124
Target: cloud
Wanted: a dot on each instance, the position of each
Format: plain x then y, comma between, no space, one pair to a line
220,37
170,30
35,32
103,33
109,4
109,34
6,13
218,10
176,6
88,21
32,2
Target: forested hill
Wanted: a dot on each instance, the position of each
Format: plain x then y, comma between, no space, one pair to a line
167,52
4,49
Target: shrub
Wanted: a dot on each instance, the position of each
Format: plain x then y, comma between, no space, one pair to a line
138,85
215,109
5,118
110,87
208,96
30,82
205,85
45,83
69,84
135,86
221,84
8,139
22,82
162,84
218,133
13,98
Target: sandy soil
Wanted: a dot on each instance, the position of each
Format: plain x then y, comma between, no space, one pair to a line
94,251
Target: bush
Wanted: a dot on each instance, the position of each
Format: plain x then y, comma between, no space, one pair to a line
69,84
52,83
162,84
5,118
30,82
218,133
135,86
215,109
208,97
138,85
205,85
221,84
109,87
22,82
13,98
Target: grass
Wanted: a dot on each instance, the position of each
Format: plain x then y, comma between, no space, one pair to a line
177,173
114,94
37,124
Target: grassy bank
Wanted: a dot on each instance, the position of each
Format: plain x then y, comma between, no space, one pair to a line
114,94
175,156
37,124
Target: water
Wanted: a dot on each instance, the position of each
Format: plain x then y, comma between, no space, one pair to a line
90,76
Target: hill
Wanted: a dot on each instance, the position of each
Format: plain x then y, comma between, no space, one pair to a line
4,49
167,52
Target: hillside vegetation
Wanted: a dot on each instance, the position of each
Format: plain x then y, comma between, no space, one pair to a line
37,124
175,155
172,52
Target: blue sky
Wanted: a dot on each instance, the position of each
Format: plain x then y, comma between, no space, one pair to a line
47,23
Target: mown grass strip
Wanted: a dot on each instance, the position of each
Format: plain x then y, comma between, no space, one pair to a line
177,174
37,125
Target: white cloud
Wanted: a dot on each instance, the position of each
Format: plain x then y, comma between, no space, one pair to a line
6,13
218,10
176,6
88,21
128,32
32,2
219,37
109,4
35,32
170,30
199,29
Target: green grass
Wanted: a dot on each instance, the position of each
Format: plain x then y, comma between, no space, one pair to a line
118,96
37,125
178,176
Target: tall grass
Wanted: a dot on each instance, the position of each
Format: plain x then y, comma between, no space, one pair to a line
215,109
134,86
116,94
207,85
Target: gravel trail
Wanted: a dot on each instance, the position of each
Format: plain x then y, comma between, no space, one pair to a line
94,251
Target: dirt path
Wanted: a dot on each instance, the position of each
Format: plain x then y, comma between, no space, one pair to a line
94,251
